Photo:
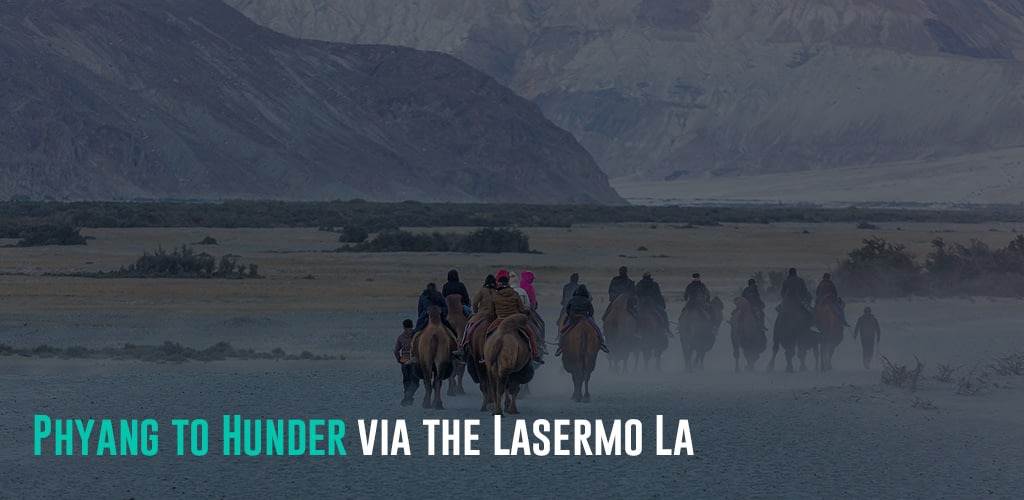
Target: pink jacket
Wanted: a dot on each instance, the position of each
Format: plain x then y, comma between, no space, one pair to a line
526,283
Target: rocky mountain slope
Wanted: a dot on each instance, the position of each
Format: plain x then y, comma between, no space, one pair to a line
665,89
119,99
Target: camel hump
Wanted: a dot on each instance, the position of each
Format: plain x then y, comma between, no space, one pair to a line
514,322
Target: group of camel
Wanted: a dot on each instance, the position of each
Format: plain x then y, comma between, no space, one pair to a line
501,362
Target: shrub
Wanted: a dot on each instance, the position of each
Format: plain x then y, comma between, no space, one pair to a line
353,234
487,240
51,235
900,375
879,268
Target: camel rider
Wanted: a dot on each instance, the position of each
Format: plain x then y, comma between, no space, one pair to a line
482,298
526,284
403,346
619,285
795,289
506,302
827,287
431,297
454,286
579,307
523,296
647,288
698,293
481,304
753,297
570,288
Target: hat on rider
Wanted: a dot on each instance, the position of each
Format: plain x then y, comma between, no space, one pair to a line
647,274
867,310
407,323
751,281
792,271
502,273
622,271
696,276
490,281
826,276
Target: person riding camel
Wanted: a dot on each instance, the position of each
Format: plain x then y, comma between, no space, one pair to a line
647,288
826,288
523,296
577,308
481,307
526,284
619,285
569,289
795,290
454,286
431,297
506,302
753,297
697,292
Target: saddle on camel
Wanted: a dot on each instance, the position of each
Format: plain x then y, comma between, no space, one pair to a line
505,302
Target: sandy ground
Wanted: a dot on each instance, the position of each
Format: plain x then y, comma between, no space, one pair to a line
755,434
985,178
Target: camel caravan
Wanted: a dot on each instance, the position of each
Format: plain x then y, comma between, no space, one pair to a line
497,334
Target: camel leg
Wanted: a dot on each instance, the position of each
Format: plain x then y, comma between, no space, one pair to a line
576,383
790,352
510,398
775,351
438,385
497,389
428,389
586,386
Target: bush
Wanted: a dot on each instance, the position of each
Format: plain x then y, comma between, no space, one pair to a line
487,240
182,262
51,235
879,268
353,234
900,375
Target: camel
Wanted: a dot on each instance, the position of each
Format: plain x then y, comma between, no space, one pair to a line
457,317
746,333
508,359
793,331
830,324
620,332
653,339
433,347
579,355
474,352
698,327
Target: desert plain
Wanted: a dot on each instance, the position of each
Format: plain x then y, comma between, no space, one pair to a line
756,435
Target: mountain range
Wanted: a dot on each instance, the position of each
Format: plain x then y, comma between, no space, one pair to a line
189,99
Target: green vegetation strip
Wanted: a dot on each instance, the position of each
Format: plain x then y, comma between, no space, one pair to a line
19,216
167,352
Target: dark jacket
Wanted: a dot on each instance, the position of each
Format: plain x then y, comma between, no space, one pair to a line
868,327
429,298
620,285
453,286
753,296
579,305
824,288
648,288
568,290
794,288
698,291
